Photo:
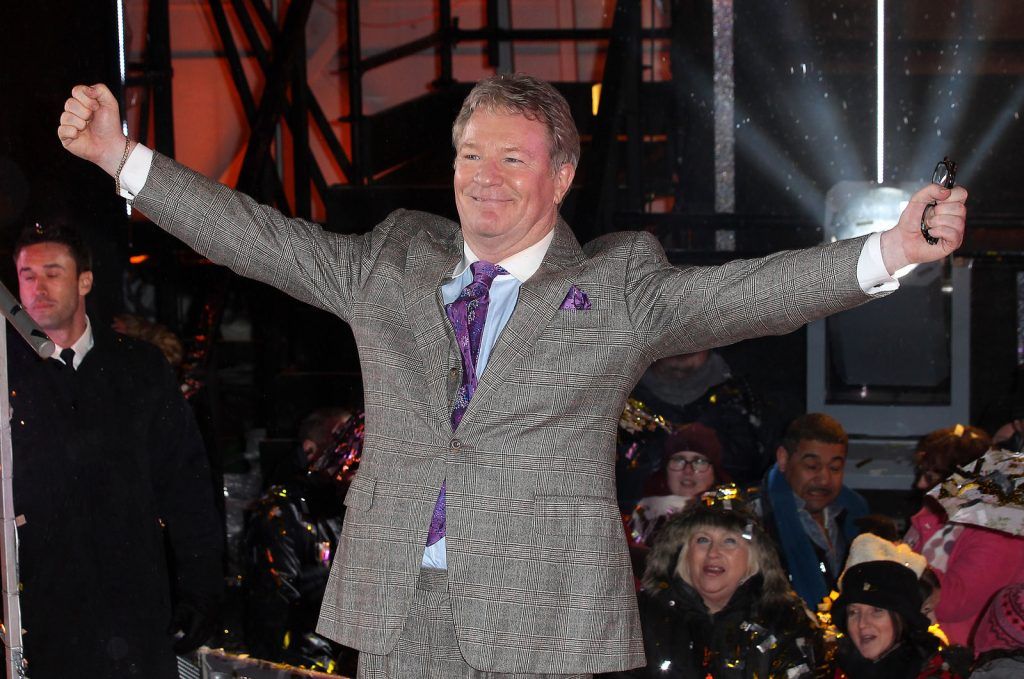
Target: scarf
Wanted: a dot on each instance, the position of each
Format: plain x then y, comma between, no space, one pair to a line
682,392
801,560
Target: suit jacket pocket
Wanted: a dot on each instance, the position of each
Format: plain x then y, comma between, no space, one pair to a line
360,493
580,529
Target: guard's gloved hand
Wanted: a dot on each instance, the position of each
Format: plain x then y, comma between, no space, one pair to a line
192,624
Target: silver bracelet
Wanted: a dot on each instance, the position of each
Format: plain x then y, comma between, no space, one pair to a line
124,159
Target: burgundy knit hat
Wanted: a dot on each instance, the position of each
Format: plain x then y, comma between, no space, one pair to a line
1002,623
695,437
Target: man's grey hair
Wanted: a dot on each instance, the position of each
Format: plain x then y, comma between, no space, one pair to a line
532,98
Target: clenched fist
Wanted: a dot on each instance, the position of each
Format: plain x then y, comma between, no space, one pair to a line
90,126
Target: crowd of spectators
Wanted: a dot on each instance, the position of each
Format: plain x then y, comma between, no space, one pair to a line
794,576
783,574
791,576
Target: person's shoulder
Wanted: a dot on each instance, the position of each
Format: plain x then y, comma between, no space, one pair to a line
126,343
658,596
658,505
624,242
784,614
619,239
413,221
138,353
797,617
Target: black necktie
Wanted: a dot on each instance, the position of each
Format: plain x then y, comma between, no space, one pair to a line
68,356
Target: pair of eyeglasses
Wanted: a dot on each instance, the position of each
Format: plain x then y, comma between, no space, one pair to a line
697,464
944,175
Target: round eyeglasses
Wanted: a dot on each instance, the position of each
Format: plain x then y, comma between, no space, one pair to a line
697,464
945,176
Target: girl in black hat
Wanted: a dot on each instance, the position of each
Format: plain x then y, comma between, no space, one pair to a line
884,634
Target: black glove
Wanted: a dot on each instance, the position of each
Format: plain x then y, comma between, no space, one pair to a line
192,624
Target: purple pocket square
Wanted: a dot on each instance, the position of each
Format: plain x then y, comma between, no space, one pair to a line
576,299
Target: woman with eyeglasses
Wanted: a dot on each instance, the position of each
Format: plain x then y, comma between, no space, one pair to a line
716,602
971,563
691,466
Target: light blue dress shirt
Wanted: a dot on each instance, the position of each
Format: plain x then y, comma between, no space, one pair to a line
503,296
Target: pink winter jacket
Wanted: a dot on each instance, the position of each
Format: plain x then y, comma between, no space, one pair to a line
982,562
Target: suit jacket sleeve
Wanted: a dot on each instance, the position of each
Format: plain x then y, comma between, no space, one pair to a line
681,310
319,267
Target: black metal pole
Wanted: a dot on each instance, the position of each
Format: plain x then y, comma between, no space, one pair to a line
355,94
159,47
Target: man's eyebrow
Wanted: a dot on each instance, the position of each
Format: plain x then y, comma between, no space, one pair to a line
508,148
52,265
816,455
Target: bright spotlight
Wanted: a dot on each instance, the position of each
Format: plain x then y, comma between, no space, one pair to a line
855,209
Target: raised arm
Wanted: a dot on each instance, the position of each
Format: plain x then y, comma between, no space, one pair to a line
691,308
296,256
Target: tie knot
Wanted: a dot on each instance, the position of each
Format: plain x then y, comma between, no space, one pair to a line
68,356
485,272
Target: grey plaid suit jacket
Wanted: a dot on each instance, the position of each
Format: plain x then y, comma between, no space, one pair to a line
538,570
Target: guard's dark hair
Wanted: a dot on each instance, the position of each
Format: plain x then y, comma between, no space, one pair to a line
60,232
813,427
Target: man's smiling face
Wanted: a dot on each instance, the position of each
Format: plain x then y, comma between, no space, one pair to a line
506,190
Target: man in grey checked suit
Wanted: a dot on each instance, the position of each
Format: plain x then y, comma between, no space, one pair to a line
532,577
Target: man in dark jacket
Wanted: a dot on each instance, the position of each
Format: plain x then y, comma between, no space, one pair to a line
108,468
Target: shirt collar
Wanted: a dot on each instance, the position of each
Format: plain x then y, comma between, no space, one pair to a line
82,345
521,265
831,509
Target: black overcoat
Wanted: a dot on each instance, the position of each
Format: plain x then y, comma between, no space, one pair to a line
108,468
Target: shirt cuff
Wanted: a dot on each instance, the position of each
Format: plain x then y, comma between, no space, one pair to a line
136,171
871,272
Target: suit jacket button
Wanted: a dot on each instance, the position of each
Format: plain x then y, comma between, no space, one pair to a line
455,444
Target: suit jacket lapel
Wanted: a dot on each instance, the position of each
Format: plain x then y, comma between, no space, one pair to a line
430,262
539,300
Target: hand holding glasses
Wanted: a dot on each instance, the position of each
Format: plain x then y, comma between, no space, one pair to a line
944,175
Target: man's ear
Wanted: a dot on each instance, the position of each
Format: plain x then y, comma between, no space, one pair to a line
563,181
781,457
84,283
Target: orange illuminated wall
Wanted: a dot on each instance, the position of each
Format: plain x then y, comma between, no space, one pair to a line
210,126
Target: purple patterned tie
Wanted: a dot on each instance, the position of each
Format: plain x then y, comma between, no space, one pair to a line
467,313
